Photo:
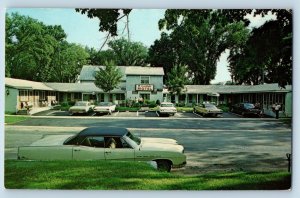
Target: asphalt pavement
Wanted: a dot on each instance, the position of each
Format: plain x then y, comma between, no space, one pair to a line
211,144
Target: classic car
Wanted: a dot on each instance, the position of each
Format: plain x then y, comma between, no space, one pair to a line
246,109
81,107
166,108
106,143
105,107
208,109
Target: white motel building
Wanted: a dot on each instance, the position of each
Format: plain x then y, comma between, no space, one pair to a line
140,82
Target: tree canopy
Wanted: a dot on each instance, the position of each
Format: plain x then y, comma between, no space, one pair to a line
121,52
197,39
39,52
266,57
177,79
108,78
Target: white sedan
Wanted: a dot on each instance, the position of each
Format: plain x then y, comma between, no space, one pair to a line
106,143
105,107
81,107
167,108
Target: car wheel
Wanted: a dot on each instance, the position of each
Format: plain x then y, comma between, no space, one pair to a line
243,114
163,165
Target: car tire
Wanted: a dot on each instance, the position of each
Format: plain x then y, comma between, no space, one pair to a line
163,165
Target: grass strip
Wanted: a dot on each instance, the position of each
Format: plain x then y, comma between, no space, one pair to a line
11,119
117,175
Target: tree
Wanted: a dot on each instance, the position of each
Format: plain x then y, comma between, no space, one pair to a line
35,51
122,52
108,20
177,79
163,54
128,53
199,38
67,63
108,78
29,47
267,55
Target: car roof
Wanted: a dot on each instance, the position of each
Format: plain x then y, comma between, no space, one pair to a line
103,131
166,103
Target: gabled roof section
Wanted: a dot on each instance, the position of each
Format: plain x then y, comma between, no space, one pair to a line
79,87
223,89
152,71
88,71
26,84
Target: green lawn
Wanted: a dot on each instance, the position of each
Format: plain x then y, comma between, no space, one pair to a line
127,108
10,119
129,176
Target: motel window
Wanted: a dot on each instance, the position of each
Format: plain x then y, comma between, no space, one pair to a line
145,79
42,95
120,96
101,97
190,97
145,96
23,95
77,96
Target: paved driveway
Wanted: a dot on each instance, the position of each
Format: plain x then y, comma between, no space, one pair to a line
147,114
210,144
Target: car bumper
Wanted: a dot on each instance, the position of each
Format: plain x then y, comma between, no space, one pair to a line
179,165
77,111
102,110
167,112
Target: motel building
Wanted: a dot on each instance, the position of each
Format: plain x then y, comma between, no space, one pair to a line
139,82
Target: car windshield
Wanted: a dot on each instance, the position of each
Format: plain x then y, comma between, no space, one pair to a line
167,105
105,104
136,139
249,106
210,106
80,104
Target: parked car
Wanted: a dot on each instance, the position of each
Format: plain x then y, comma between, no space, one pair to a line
105,107
167,108
246,109
106,143
81,107
208,109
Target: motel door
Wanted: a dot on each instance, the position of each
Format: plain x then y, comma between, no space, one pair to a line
145,96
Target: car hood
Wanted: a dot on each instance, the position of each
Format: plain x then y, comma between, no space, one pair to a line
78,107
156,146
103,107
159,140
51,140
167,108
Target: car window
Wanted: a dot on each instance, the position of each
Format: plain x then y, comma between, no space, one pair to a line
249,106
95,141
136,139
166,105
105,104
80,104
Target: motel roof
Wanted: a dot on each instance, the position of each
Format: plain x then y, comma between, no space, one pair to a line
26,84
227,89
88,71
79,87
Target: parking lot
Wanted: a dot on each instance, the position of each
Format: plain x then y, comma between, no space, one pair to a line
151,114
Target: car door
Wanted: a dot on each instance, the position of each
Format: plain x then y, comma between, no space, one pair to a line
122,151
91,148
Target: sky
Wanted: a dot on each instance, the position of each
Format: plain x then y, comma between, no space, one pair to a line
143,25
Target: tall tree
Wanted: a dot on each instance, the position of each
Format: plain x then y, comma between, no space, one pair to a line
29,47
35,51
177,79
129,53
200,37
267,55
108,78
163,54
108,20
